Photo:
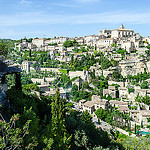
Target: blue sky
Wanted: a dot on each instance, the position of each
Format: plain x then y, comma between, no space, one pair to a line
49,18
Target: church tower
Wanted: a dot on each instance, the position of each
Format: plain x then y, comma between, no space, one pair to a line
122,26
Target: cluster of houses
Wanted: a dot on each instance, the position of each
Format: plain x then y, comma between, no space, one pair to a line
107,41
123,38
138,116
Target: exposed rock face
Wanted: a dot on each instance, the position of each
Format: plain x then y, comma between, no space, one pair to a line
2,66
5,70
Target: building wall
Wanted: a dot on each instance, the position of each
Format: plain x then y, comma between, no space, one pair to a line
38,42
89,109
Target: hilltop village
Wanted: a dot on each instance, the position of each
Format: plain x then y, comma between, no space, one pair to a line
107,75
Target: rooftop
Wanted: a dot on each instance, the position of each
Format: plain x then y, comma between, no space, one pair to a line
118,102
82,101
123,108
101,102
89,104
145,112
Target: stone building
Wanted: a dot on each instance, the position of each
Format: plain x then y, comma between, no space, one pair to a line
39,42
84,75
132,66
81,103
117,33
115,103
5,70
104,104
123,92
121,32
140,116
26,66
110,91
89,106
105,42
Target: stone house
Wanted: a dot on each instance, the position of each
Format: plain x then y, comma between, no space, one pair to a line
110,91
140,116
93,105
116,57
27,66
132,66
115,103
84,75
124,109
43,81
134,114
143,116
101,104
89,106
128,46
142,92
62,92
123,92
55,70
38,42
81,103
44,87
95,98
105,42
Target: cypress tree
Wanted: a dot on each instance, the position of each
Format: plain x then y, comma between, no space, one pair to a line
135,129
18,81
58,130
30,53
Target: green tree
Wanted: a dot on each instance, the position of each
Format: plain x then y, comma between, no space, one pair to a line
105,64
148,119
34,122
30,53
74,89
68,43
81,139
58,130
116,75
113,45
3,48
12,137
101,114
33,87
144,85
131,90
86,117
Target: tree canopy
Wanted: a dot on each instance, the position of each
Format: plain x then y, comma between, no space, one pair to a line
3,48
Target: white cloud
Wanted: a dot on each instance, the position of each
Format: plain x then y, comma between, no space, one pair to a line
87,1
40,18
66,5
76,3
25,2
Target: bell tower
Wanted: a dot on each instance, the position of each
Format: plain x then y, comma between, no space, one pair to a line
122,26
